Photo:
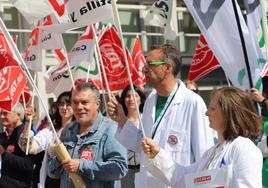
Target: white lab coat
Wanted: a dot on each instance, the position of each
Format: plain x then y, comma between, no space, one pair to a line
242,154
184,119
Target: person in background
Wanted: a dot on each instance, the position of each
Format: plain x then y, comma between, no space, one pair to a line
173,116
40,142
191,85
17,168
263,144
128,105
232,114
95,153
261,100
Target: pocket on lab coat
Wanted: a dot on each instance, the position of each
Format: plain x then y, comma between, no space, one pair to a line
176,141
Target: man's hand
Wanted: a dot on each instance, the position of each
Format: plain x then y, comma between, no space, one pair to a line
116,112
71,165
29,113
2,150
150,147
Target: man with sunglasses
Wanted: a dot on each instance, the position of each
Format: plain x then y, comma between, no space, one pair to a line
173,116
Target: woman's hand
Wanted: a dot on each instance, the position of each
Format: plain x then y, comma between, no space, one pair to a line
116,112
150,147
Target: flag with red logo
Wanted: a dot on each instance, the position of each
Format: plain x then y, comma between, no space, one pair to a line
138,58
12,77
204,61
113,59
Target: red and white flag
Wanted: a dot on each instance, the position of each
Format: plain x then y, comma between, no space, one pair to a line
49,40
81,61
12,77
113,60
138,77
33,53
40,39
204,61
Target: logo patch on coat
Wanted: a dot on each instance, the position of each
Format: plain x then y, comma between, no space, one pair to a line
172,139
86,154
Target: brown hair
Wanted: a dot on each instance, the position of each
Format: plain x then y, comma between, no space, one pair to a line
240,114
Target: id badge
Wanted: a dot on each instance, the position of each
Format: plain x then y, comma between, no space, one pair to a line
214,178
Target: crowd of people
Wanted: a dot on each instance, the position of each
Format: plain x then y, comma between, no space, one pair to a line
178,147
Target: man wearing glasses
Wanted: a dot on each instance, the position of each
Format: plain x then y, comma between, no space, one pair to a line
173,116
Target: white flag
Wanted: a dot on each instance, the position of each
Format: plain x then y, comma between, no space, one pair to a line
254,23
50,40
80,57
217,22
33,52
81,13
160,15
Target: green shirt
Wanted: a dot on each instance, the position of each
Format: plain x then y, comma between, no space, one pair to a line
160,104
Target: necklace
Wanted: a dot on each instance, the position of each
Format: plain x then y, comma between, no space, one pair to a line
215,154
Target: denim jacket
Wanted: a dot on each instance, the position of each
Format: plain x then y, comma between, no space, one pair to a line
102,158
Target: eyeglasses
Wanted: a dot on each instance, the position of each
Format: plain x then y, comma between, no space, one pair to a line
149,64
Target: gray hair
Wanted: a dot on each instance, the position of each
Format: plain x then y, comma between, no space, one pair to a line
89,85
170,52
18,109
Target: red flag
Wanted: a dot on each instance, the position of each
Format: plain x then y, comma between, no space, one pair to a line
203,61
26,94
113,59
6,56
12,82
12,77
138,76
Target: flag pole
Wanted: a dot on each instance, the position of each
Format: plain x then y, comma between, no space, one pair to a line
28,74
98,56
30,122
67,60
118,25
243,44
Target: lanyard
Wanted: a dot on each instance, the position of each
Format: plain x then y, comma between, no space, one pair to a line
169,100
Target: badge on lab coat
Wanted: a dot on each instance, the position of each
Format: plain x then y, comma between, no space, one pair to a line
215,178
